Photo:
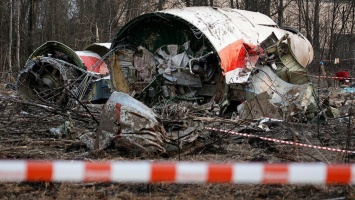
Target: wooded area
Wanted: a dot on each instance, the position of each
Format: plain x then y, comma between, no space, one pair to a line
26,24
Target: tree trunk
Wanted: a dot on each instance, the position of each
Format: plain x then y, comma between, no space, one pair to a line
161,4
316,44
280,13
232,3
199,2
1,42
267,7
31,22
134,9
308,27
299,3
10,38
18,36
97,33
352,30
188,3
98,5
246,4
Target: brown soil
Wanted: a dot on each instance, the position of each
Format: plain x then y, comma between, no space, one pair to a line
24,133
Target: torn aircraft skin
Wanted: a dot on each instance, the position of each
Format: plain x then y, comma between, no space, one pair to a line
130,120
57,74
221,55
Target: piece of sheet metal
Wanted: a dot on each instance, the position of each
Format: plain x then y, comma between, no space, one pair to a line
127,118
118,79
259,107
289,97
93,62
56,50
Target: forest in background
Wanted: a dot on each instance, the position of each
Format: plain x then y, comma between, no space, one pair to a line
26,24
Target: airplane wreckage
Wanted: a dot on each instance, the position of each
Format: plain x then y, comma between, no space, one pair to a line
56,74
166,63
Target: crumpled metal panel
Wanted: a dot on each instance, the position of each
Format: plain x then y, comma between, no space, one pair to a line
49,47
117,75
290,98
127,118
301,50
93,62
288,67
224,26
259,107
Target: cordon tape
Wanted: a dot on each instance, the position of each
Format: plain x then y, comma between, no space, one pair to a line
180,172
282,141
332,77
327,77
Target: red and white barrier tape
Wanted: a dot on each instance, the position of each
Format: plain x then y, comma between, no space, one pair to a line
328,77
333,77
340,60
182,172
282,141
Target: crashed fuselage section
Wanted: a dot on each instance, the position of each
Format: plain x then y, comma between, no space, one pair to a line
216,55
56,74
165,66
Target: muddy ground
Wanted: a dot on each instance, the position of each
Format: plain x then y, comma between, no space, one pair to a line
24,134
